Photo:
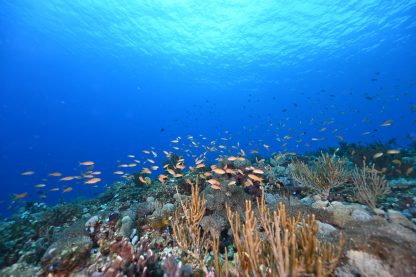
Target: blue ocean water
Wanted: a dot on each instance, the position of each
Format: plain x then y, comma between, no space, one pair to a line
101,80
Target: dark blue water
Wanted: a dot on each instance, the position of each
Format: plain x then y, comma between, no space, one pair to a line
100,80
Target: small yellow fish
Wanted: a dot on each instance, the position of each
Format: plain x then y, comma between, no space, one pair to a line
26,173
55,174
393,151
377,155
119,172
397,162
40,185
387,123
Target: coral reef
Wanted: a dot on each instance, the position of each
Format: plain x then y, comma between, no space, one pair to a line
263,225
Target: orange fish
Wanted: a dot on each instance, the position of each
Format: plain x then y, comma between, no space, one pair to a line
215,187
248,182
155,167
151,161
20,196
119,172
255,177
146,170
68,189
87,163
218,171
171,171
162,178
143,180
229,171
258,171
68,178
214,182
93,181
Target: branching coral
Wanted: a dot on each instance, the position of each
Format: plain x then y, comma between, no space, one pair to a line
368,185
286,250
187,230
325,173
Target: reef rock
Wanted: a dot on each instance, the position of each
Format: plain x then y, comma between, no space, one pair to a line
69,251
363,264
360,215
126,226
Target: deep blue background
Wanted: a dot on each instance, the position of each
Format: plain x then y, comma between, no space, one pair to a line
97,80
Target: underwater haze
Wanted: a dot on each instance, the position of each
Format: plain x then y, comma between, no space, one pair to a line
207,138
101,80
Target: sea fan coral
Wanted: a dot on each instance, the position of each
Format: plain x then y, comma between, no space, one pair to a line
325,173
368,185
